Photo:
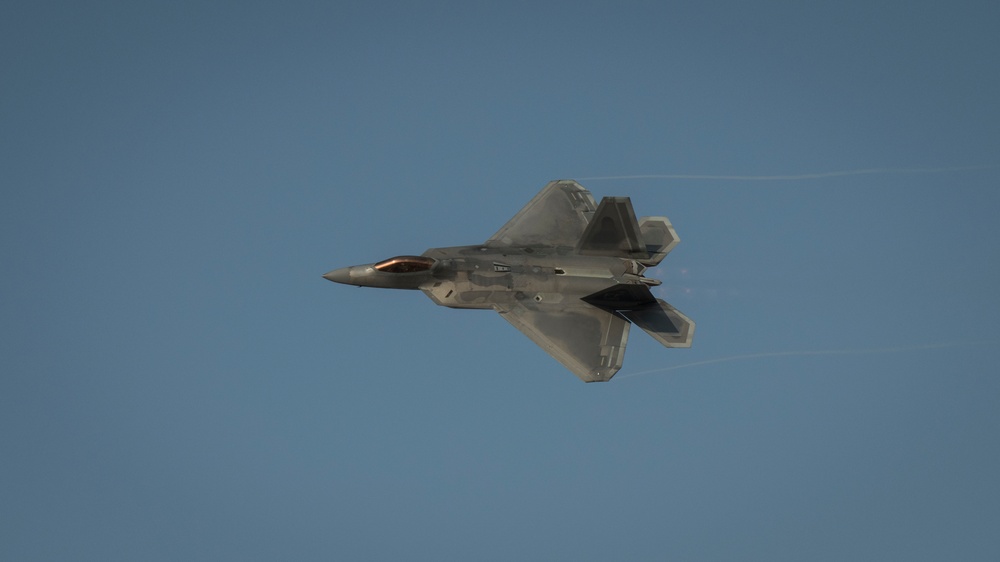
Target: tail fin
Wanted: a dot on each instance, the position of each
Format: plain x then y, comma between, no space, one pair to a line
663,322
613,231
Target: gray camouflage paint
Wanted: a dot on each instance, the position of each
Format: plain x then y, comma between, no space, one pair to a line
564,271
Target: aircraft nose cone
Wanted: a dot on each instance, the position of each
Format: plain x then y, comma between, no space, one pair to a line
342,275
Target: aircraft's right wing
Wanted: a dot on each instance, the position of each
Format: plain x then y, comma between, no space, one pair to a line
557,216
587,340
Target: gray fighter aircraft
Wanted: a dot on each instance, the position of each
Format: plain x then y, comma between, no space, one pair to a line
564,271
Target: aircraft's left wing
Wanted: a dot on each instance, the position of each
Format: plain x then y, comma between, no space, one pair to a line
557,216
587,340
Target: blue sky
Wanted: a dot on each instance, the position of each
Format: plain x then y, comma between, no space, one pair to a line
178,381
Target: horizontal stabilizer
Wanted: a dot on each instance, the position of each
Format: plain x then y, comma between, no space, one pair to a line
663,322
659,236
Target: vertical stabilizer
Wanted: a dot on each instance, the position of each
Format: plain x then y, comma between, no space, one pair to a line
663,322
613,231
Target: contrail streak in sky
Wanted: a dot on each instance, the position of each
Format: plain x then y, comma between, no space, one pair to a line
800,353
869,171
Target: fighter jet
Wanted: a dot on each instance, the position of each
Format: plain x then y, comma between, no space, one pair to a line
564,271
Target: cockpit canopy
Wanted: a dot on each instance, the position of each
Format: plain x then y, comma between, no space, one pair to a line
405,264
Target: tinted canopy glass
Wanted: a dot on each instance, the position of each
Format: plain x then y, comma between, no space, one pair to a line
405,264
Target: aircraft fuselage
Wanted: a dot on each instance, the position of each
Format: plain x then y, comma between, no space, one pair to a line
481,277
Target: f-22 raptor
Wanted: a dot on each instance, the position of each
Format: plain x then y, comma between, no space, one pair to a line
564,271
